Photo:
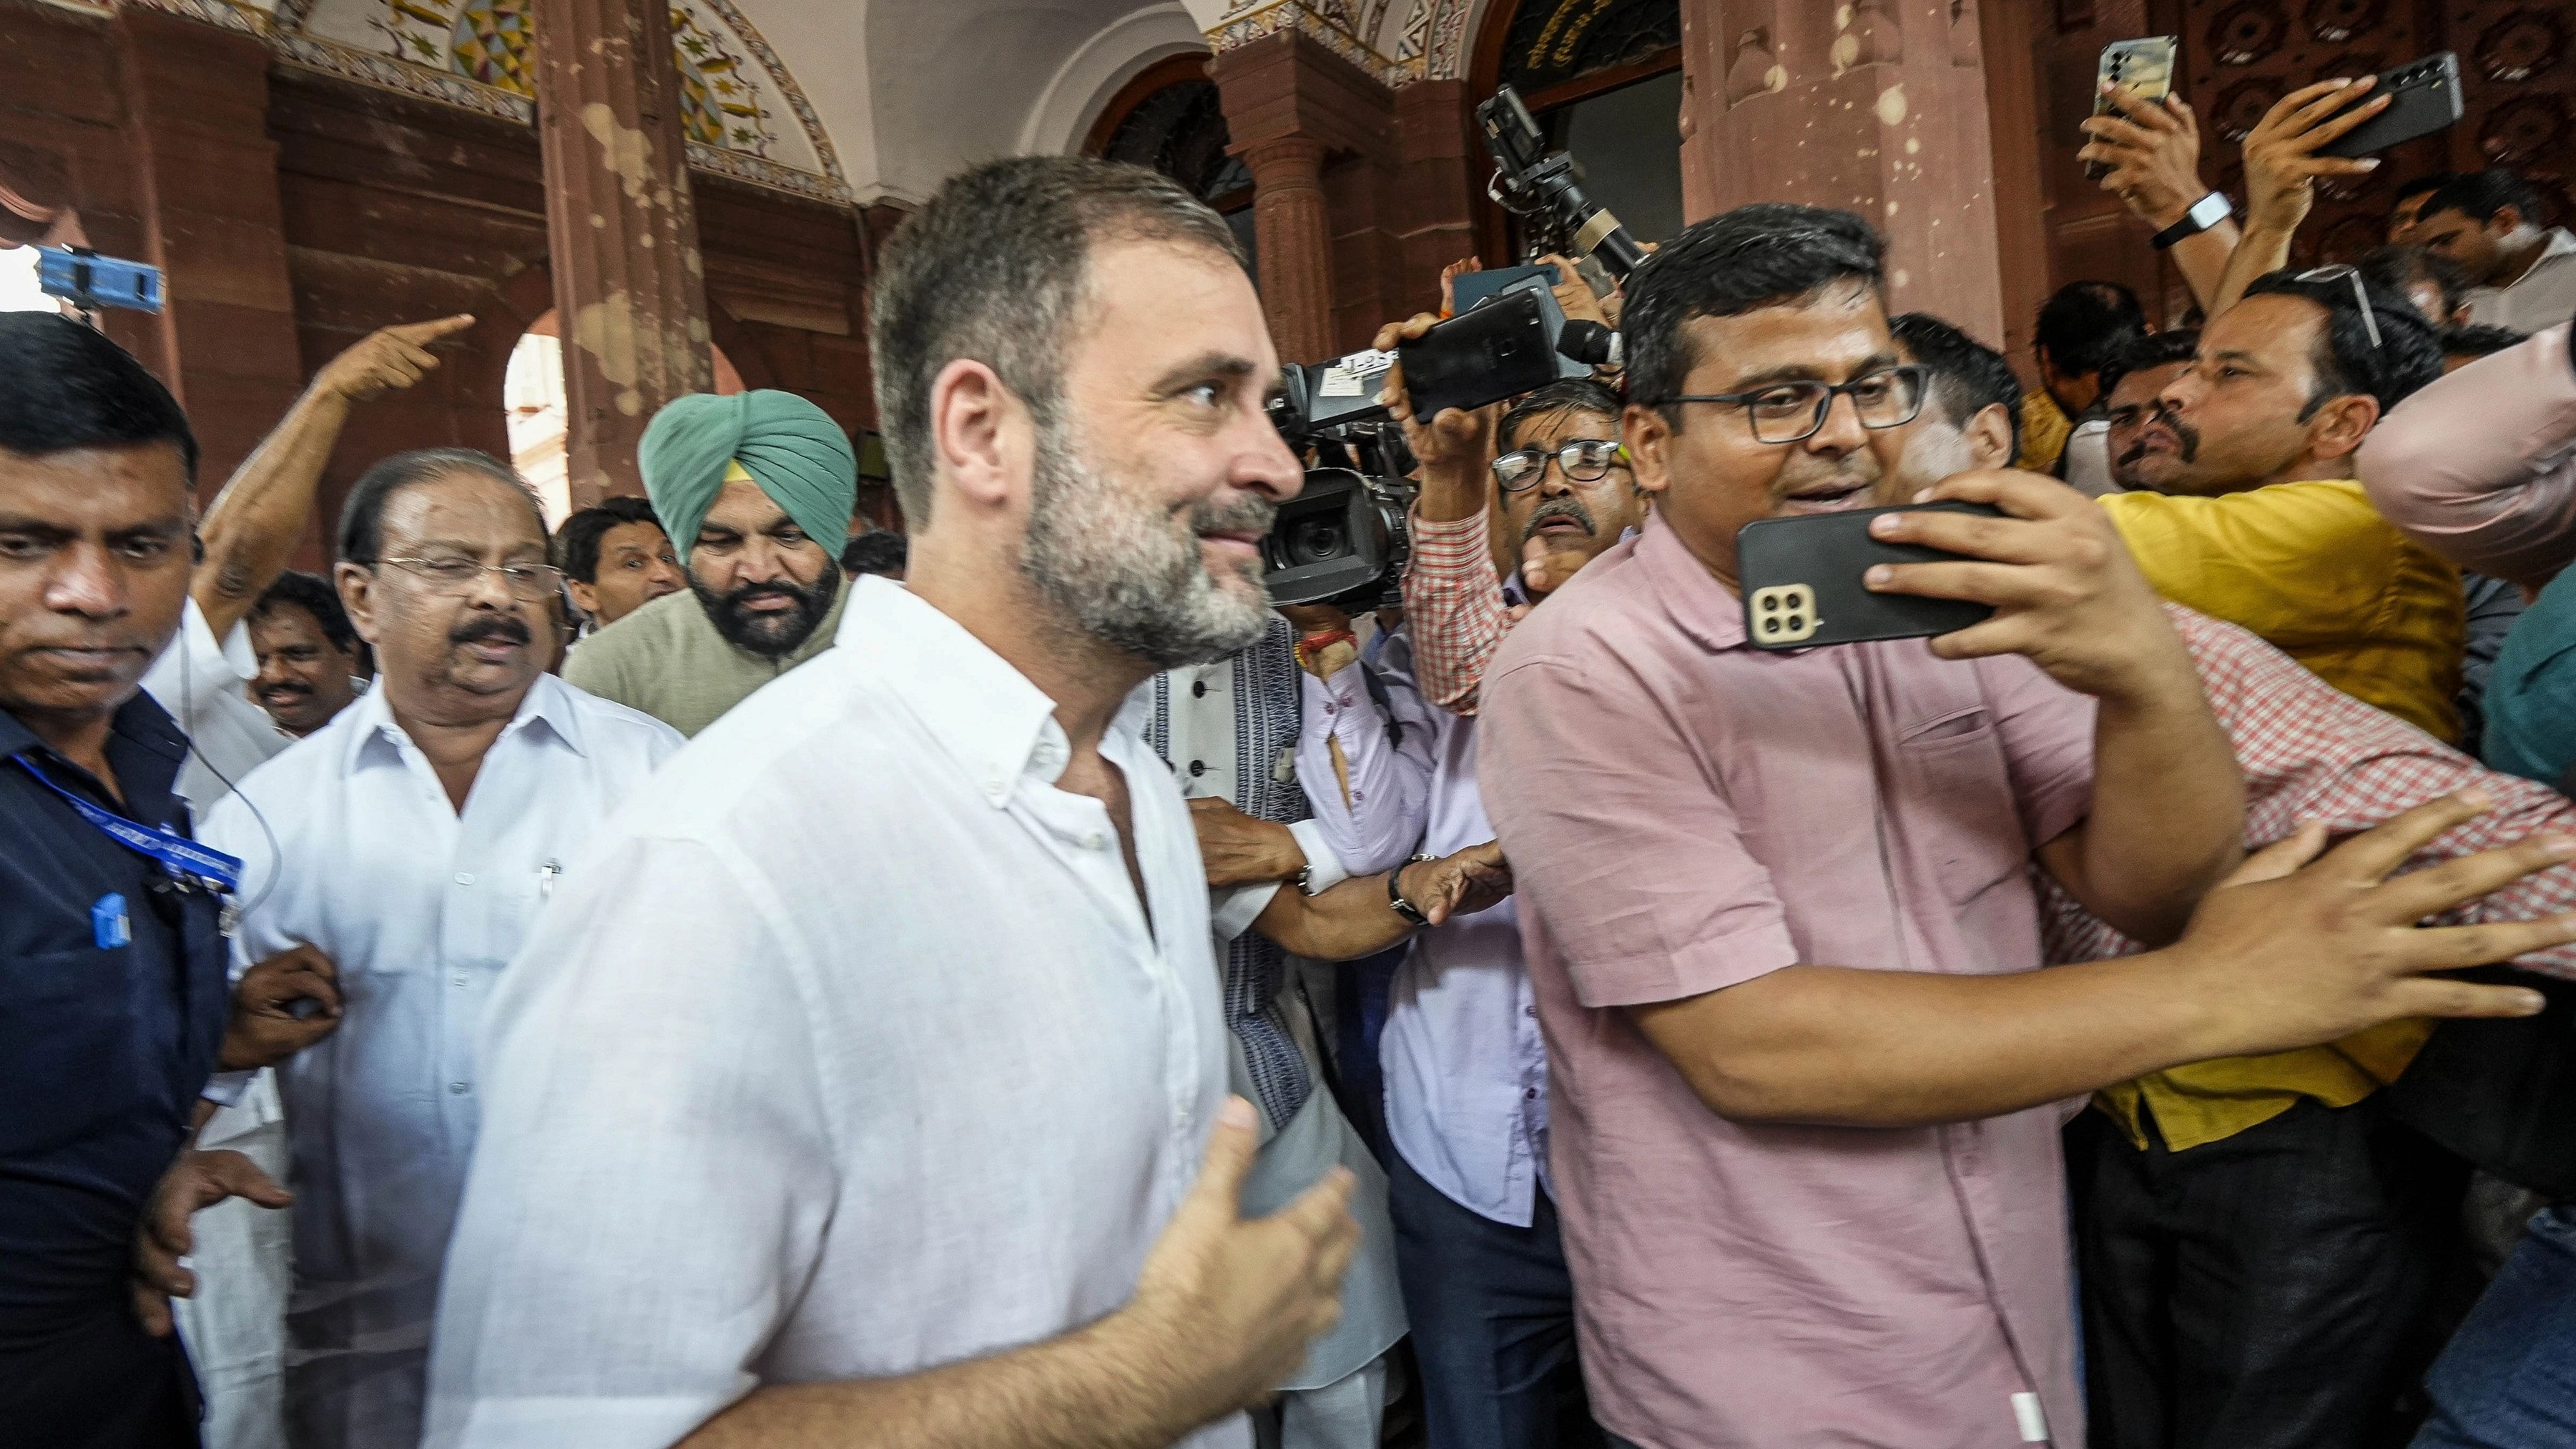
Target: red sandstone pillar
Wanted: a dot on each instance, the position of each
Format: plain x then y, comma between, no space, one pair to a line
1874,106
621,228
1295,241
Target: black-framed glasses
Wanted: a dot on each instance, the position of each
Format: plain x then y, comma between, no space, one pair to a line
452,574
1792,412
2338,272
1584,460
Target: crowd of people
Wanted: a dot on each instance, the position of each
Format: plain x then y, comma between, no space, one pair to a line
717,973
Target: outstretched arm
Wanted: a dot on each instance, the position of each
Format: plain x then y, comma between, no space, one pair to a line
251,527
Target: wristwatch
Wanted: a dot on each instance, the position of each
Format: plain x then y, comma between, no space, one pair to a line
2205,213
1395,894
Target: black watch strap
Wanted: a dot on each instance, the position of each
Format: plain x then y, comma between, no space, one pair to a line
2205,213
1395,893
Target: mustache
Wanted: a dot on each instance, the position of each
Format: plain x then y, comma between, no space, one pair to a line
2186,437
1566,507
1246,513
507,627
287,686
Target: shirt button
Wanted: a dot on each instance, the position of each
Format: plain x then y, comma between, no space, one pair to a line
1332,709
1357,796
1529,1011
465,877
1198,689
1198,767
1095,841
1530,1093
456,1089
460,979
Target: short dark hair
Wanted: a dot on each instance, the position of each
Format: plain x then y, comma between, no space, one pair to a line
1766,254
2409,354
1572,394
313,594
2395,269
2156,349
992,268
1966,376
2083,323
2419,186
877,551
2480,340
362,517
65,386
577,542
2479,195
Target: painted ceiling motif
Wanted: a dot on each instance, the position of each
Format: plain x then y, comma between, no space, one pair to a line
488,41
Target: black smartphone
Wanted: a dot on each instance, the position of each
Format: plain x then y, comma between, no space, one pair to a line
1802,581
1501,349
2145,66
2427,99
1469,289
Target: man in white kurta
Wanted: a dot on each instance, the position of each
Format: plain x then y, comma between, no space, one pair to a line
352,844
860,1091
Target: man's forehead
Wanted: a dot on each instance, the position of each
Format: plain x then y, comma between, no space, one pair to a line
2275,325
2139,387
1156,304
1824,335
1565,424
65,487
464,506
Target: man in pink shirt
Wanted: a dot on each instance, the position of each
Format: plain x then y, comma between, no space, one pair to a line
1805,1079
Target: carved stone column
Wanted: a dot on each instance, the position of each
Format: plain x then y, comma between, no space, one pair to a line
622,232
1877,107
1295,240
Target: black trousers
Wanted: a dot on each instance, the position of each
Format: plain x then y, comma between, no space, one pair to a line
95,1381
2273,1290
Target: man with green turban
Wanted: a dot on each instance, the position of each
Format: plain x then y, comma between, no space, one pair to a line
757,491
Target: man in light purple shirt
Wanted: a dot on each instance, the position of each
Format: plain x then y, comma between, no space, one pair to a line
1805,1078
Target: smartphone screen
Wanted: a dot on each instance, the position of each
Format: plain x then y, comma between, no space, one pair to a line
2145,66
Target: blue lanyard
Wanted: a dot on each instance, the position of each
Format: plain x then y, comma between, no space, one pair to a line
176,852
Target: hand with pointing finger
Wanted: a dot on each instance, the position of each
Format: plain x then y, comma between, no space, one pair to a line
388,359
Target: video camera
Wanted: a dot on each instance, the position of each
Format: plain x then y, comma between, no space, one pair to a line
89,281
1342,540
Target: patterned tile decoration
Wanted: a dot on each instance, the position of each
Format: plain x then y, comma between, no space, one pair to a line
1330,22
486,71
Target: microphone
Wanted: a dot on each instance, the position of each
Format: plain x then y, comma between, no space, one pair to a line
1589,342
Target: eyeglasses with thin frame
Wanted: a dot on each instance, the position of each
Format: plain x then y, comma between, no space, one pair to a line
1792,412
2338,272
1583,460
449,574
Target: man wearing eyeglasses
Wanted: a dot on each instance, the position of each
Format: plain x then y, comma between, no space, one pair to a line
412,840
1805,1081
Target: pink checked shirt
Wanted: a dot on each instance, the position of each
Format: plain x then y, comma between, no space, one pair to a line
1685,813
2312,752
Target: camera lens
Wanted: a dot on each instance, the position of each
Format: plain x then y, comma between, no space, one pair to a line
1314,540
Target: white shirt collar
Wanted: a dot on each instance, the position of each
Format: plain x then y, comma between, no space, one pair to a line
547,702
983,712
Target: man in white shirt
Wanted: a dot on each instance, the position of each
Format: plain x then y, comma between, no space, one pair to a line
2488,222
856,1095
412,840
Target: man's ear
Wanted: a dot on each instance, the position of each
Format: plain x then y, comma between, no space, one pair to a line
2336,429
357,585
1990,437
584,597
979,435
2507,220
1645,435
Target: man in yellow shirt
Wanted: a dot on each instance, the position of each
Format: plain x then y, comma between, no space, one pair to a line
2213,1291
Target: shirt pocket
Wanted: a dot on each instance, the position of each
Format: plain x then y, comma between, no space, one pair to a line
1955,803
76,1023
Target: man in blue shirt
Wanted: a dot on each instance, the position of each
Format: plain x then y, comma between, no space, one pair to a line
113,1001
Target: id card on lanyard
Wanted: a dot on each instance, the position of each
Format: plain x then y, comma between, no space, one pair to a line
185,859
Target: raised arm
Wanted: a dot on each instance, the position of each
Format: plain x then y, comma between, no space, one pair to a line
2481,466
251,528
1453,599
2153,152
2281,172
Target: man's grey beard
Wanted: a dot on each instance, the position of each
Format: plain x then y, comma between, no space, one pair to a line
1111,561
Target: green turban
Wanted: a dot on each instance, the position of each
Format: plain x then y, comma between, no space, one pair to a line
790,447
